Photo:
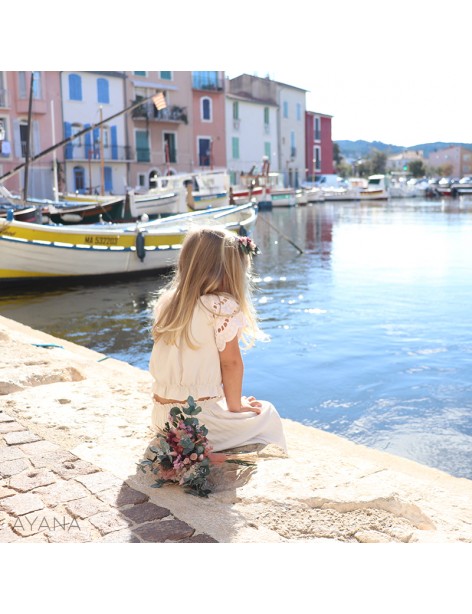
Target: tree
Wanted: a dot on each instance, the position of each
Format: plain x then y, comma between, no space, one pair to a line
337,156
379,162
417,168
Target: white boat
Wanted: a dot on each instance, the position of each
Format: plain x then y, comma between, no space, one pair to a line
265,187
377,188
172,194
341,194
34,252
461,187
402,187
209,189
301,196
315,195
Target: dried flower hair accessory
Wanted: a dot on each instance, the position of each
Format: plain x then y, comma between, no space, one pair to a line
247,246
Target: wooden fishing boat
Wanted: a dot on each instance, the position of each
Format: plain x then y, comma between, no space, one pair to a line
22,214
34,252
85,213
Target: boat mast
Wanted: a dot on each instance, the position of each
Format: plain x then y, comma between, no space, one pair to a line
54,157
28,139
102,161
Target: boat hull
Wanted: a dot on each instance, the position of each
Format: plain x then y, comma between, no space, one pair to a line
373,195
31,252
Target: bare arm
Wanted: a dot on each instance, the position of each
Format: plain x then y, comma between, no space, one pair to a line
232,371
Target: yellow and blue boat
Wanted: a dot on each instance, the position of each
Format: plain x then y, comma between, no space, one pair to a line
32,252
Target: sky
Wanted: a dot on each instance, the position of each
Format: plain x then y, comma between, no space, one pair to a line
396,73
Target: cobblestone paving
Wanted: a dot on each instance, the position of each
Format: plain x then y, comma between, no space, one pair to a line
48,494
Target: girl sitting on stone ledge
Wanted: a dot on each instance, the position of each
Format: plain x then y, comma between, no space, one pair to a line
199,321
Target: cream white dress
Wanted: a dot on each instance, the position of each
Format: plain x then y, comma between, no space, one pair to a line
180,371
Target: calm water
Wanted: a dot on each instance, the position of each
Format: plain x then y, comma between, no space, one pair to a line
370,328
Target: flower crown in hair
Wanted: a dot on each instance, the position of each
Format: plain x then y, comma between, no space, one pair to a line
247,246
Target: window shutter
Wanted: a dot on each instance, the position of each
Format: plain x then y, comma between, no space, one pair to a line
108,172
36,134
103,93
88,143
67,134
96,142
114,143
17,138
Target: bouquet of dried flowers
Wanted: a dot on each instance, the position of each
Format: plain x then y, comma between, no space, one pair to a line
182,452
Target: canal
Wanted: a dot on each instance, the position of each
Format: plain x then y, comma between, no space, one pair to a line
369,329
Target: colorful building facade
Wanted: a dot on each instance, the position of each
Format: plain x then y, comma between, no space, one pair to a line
17,142
319,145
209,138
119,139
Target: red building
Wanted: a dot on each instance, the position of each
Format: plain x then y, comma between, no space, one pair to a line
319,145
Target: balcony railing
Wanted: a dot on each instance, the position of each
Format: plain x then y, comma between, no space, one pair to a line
149,111
207,81
85,152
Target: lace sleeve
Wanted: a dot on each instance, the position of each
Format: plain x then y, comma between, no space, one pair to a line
228,319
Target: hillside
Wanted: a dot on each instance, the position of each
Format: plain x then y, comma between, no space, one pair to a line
361,149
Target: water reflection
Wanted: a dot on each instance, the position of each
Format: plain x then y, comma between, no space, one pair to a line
368,329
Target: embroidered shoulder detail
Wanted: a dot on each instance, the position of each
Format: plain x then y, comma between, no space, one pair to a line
228,319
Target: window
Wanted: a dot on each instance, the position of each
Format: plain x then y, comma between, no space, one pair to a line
267,149
317,129
141,178
106,136
143,153
75,87
24,132
74,130
285,107
235,147
204,151
36,84
166,74
206,109
3,128
299,111
103,91
169,147
140,73
266,116
317,158
293,145
79,179
24,84
3,91
236,110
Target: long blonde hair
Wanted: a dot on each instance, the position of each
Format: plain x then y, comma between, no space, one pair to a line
210,262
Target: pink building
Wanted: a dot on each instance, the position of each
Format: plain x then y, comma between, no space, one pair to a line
319,145
46,130
209,147
455,161
161,141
